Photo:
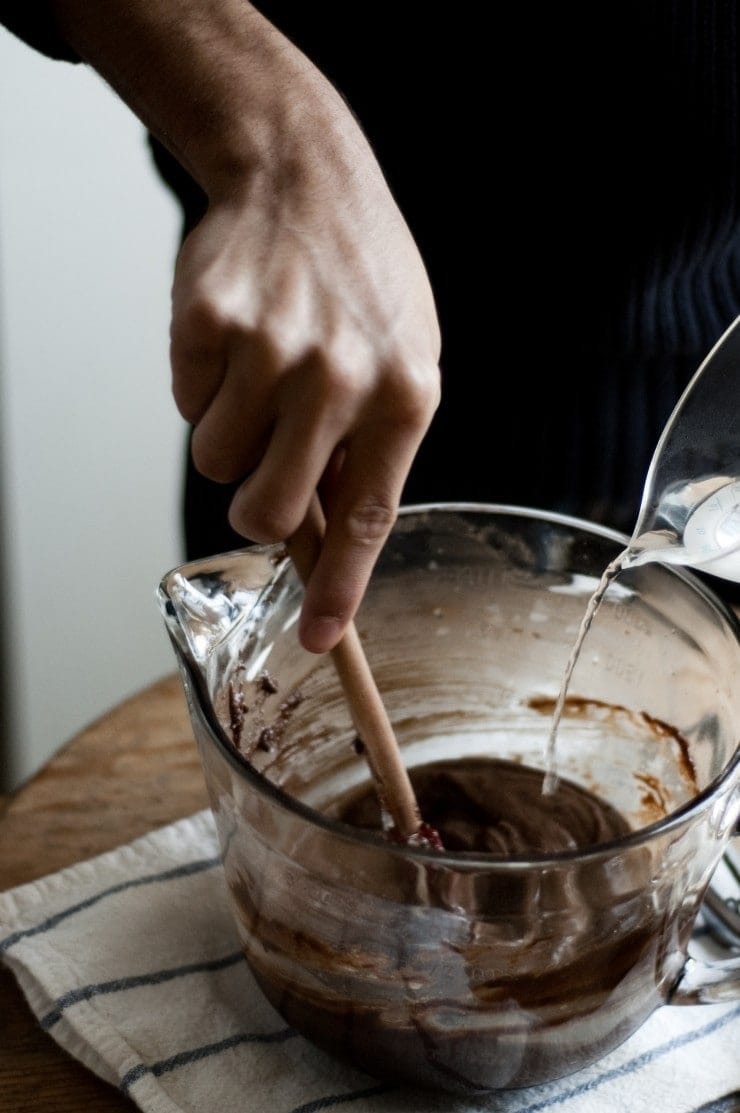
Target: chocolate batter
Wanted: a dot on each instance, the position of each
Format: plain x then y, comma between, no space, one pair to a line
497,807
463,977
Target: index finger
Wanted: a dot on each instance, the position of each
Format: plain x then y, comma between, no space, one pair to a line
359,518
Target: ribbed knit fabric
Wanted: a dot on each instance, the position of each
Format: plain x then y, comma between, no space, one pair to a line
687,289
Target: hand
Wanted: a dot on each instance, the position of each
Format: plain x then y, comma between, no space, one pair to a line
304,336
305,351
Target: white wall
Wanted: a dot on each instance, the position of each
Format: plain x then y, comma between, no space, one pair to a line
91,444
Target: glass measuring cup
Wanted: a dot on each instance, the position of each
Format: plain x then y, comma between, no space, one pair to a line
464,971
690,510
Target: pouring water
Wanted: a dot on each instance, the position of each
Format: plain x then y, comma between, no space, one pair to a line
690,509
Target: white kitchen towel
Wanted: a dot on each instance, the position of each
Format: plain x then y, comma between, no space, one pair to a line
131,962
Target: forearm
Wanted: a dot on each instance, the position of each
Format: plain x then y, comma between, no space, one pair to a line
219,85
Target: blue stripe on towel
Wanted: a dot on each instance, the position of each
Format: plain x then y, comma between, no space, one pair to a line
343,1099
730,1103
135,981
635,1064
183,1058
58,917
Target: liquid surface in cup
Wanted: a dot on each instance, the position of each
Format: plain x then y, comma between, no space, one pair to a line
641,765
496,807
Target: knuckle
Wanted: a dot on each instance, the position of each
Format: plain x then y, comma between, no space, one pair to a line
211,319
370,521
211,460
189,407
185,400
414,389
337,378
192,396
264,522
281,337
205,318
197,341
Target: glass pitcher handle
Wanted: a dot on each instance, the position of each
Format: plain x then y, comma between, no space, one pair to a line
712,982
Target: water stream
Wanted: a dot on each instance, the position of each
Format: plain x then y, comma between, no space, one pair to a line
608,575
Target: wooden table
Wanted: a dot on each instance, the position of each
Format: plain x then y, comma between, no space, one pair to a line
135,769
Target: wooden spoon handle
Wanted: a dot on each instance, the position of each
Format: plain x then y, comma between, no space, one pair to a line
363,698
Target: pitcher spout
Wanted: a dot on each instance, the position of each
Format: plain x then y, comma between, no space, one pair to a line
207,603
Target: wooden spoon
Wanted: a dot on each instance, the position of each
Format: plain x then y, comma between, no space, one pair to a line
367,709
